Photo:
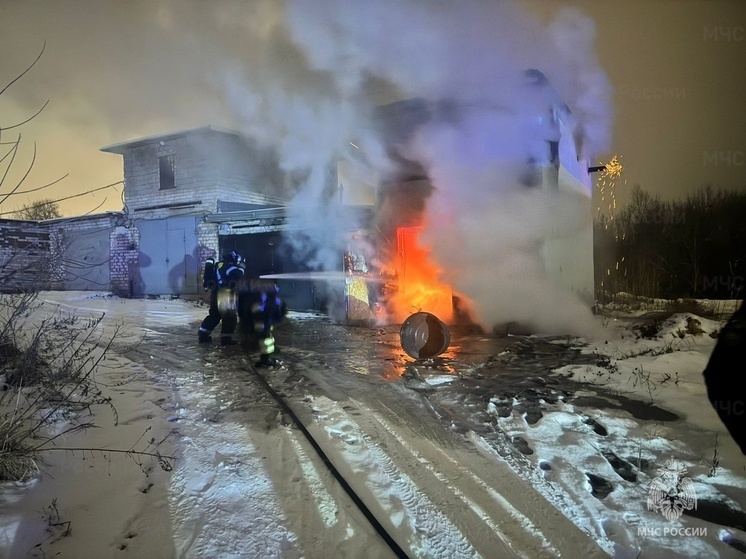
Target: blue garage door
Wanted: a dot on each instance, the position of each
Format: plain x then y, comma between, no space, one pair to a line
169,263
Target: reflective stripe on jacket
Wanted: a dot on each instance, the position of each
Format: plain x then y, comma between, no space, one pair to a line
230,274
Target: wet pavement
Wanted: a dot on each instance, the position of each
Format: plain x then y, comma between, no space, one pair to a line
516,370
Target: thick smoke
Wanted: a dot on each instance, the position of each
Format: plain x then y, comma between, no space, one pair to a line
315,94
475,57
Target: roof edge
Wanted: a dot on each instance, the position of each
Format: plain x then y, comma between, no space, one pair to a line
120,147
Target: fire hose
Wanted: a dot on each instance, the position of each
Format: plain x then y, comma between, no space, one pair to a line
328,463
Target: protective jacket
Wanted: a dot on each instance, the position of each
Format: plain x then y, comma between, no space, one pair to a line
222,279
261,308
228,274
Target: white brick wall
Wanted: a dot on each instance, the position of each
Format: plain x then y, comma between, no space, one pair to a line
125,251
208,166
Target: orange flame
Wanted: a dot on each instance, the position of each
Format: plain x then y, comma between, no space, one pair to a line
419,287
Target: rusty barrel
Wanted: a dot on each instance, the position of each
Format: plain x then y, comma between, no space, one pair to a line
423,336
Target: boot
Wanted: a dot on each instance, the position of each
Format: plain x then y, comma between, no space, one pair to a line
204,337
227,340
266,361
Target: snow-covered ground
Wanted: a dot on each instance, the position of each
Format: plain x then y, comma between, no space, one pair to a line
245,483
611,450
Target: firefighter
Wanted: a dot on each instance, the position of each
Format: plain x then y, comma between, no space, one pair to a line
261,308
222,280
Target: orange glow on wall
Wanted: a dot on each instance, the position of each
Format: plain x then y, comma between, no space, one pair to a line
419,287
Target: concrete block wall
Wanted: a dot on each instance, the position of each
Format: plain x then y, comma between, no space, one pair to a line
235,188
124,246
25,261
195,183
209,245
57,256
208,166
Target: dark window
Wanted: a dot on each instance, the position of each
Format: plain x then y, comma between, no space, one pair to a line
166,171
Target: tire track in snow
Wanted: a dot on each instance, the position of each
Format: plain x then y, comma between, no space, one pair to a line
283,500
556,496
479,511
428,531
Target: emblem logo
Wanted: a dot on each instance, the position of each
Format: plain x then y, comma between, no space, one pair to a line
671,493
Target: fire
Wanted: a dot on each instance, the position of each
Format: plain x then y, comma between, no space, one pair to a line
419,287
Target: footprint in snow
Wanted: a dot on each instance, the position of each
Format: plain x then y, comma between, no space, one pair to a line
522,445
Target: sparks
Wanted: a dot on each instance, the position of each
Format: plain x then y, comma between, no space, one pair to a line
607,181
613,168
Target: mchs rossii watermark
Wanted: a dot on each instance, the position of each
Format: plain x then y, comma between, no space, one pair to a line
670,494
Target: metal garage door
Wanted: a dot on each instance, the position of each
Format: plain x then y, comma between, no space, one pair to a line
169,263
86,260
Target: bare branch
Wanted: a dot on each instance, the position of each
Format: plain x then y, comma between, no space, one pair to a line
41,187
89,212
40,210
18,77
11,151
23,178
29,119
104,450
14,151
74,195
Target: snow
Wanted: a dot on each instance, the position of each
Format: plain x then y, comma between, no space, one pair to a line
245,482
667,371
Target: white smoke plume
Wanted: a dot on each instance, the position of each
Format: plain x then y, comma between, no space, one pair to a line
473,55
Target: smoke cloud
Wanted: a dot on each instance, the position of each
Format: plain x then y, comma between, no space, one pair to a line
475,59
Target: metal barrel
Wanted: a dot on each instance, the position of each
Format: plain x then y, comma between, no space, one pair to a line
423,336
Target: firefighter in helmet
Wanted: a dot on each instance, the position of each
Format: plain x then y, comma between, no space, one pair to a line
261,308
222,280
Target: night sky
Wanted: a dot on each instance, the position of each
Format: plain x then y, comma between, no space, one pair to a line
678,69
115,71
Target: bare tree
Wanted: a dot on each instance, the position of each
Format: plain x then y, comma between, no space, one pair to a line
39,211
680,249
48,363
9,157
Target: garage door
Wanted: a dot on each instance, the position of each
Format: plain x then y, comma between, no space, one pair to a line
169,262
86,260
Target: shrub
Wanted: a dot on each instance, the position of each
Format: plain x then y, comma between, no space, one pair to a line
47,368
